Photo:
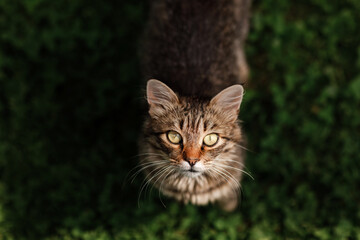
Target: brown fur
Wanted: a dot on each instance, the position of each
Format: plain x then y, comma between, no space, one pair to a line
196,48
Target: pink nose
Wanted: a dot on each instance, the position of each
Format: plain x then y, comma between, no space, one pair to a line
192,161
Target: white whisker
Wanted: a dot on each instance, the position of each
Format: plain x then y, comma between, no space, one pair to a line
227,166
241,146
147,154
234,184
146,166
226,176
160,187
144,184
157,179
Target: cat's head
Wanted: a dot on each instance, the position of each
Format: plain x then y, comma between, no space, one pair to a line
192,136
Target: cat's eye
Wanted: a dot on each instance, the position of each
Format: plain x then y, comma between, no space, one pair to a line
174,137
211,139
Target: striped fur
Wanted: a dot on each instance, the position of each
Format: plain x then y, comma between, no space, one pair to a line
222,164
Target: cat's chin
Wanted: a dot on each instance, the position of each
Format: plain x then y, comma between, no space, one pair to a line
192,174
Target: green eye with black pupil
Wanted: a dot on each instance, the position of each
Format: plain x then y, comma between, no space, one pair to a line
211,139
174,137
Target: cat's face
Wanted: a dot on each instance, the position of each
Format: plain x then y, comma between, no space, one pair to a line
190,135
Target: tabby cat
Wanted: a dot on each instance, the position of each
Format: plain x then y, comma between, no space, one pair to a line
192,142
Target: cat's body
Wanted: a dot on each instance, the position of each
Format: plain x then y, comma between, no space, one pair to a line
196,48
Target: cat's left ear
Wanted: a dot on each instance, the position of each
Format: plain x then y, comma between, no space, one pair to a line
229,100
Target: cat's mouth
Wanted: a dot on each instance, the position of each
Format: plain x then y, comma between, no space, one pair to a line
192,173
192,170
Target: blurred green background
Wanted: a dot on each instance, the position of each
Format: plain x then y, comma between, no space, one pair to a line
72,104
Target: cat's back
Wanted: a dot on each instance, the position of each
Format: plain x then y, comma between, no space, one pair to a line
196,46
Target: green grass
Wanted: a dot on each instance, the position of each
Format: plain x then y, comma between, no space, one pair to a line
71,107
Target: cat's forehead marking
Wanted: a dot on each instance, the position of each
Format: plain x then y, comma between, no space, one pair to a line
193,121
200,124
192,126
195,118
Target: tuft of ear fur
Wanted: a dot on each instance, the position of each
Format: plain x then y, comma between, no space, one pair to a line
229,100
159,96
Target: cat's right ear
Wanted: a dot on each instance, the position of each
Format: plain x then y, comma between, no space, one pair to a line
159,96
